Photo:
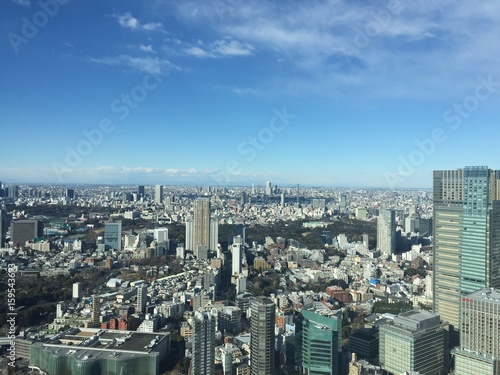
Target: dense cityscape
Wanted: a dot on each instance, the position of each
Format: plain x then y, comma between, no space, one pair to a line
258,187
252,280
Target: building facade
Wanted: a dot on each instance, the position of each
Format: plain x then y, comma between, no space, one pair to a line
159,194
202,222
414,342
262,353
203,362
386,232
77,291
236,265
466,238
189,234
321,342
140,192
479,350
113,235
95,318
25,230
142,299
214,233
103,352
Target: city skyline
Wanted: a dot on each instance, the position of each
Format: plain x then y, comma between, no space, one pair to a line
336,280
328,93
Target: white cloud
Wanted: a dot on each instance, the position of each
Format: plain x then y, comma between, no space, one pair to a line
153,26
232,48
197,52
128,21
221,48
402,51
151,65
148,48
147,65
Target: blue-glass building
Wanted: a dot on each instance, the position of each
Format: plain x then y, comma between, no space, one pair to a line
466,237
321,342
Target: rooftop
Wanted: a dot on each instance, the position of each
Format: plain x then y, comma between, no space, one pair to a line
99,339
416,320
486,294
83,353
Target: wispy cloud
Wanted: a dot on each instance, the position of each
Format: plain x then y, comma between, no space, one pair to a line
128,21
231,48
24,3
148,48
152,26
406,45
197,52
152,65
221,48
244,91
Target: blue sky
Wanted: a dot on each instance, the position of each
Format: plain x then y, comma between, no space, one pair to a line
330,93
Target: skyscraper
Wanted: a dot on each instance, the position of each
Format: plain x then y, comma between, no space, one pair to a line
319,203
386,232
466,238
201,223
321,342
214,233
343,203
142,298
240,231
96,311
161,234
69,193
479,350
113,235
237,259
203,362
227,361
25,230
269,189
189,234
415,342
13,192
244,198
140,191
159,193
77,291
262,354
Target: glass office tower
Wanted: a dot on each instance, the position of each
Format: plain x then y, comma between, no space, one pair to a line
466,238
321,342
